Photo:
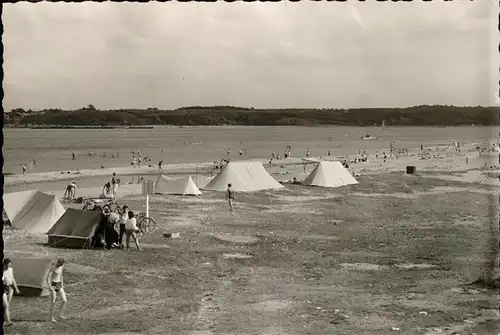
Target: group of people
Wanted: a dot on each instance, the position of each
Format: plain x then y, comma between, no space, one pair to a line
54,281
116,225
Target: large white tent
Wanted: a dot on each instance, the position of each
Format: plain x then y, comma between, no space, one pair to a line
180,185
244,176
32,211
329,174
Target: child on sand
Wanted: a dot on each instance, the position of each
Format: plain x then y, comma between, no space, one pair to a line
230,197
55,282
9,286
131,230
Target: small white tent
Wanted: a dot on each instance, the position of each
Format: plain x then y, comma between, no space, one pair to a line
181,185
329,174
35,212
244,176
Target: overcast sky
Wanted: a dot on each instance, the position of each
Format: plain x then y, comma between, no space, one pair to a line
262,55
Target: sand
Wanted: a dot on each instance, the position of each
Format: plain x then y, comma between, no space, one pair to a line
467,166
366,258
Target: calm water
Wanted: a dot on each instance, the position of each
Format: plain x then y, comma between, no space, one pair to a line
52,149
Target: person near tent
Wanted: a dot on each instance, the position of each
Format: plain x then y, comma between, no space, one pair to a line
122,221
115,182
100,233
55,282
131,230
111,233
230,196
70,191
9,286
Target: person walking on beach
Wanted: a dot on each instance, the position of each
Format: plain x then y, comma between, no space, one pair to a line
55,281
131,230
230,197
9,286
24,168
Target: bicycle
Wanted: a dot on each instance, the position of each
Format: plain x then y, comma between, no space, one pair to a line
145,224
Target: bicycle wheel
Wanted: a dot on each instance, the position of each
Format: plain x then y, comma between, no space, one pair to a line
146,225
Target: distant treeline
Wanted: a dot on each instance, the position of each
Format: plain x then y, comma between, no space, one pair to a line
227,115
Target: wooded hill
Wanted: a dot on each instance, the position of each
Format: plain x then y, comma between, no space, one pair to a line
227,115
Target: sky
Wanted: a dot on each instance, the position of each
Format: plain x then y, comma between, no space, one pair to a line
261,55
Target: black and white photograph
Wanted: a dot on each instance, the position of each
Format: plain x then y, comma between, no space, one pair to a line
251,168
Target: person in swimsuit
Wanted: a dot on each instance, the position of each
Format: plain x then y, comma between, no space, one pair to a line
55,282
230,197
9,286
70,191
115,182
131,230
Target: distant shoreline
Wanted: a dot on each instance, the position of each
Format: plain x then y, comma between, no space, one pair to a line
82,127
424,115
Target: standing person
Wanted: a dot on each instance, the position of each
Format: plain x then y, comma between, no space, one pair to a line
114,183
230,197
160,170
131,230
139,161
24,168
112,229
123,222
9,286
55,282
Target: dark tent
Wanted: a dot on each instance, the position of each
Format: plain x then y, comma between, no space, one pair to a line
31,274
77,229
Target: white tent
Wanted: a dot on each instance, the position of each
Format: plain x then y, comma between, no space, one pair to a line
14,202
244,176
181,185
33,211
329,174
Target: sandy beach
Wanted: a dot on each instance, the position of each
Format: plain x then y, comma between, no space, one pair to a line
316,259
